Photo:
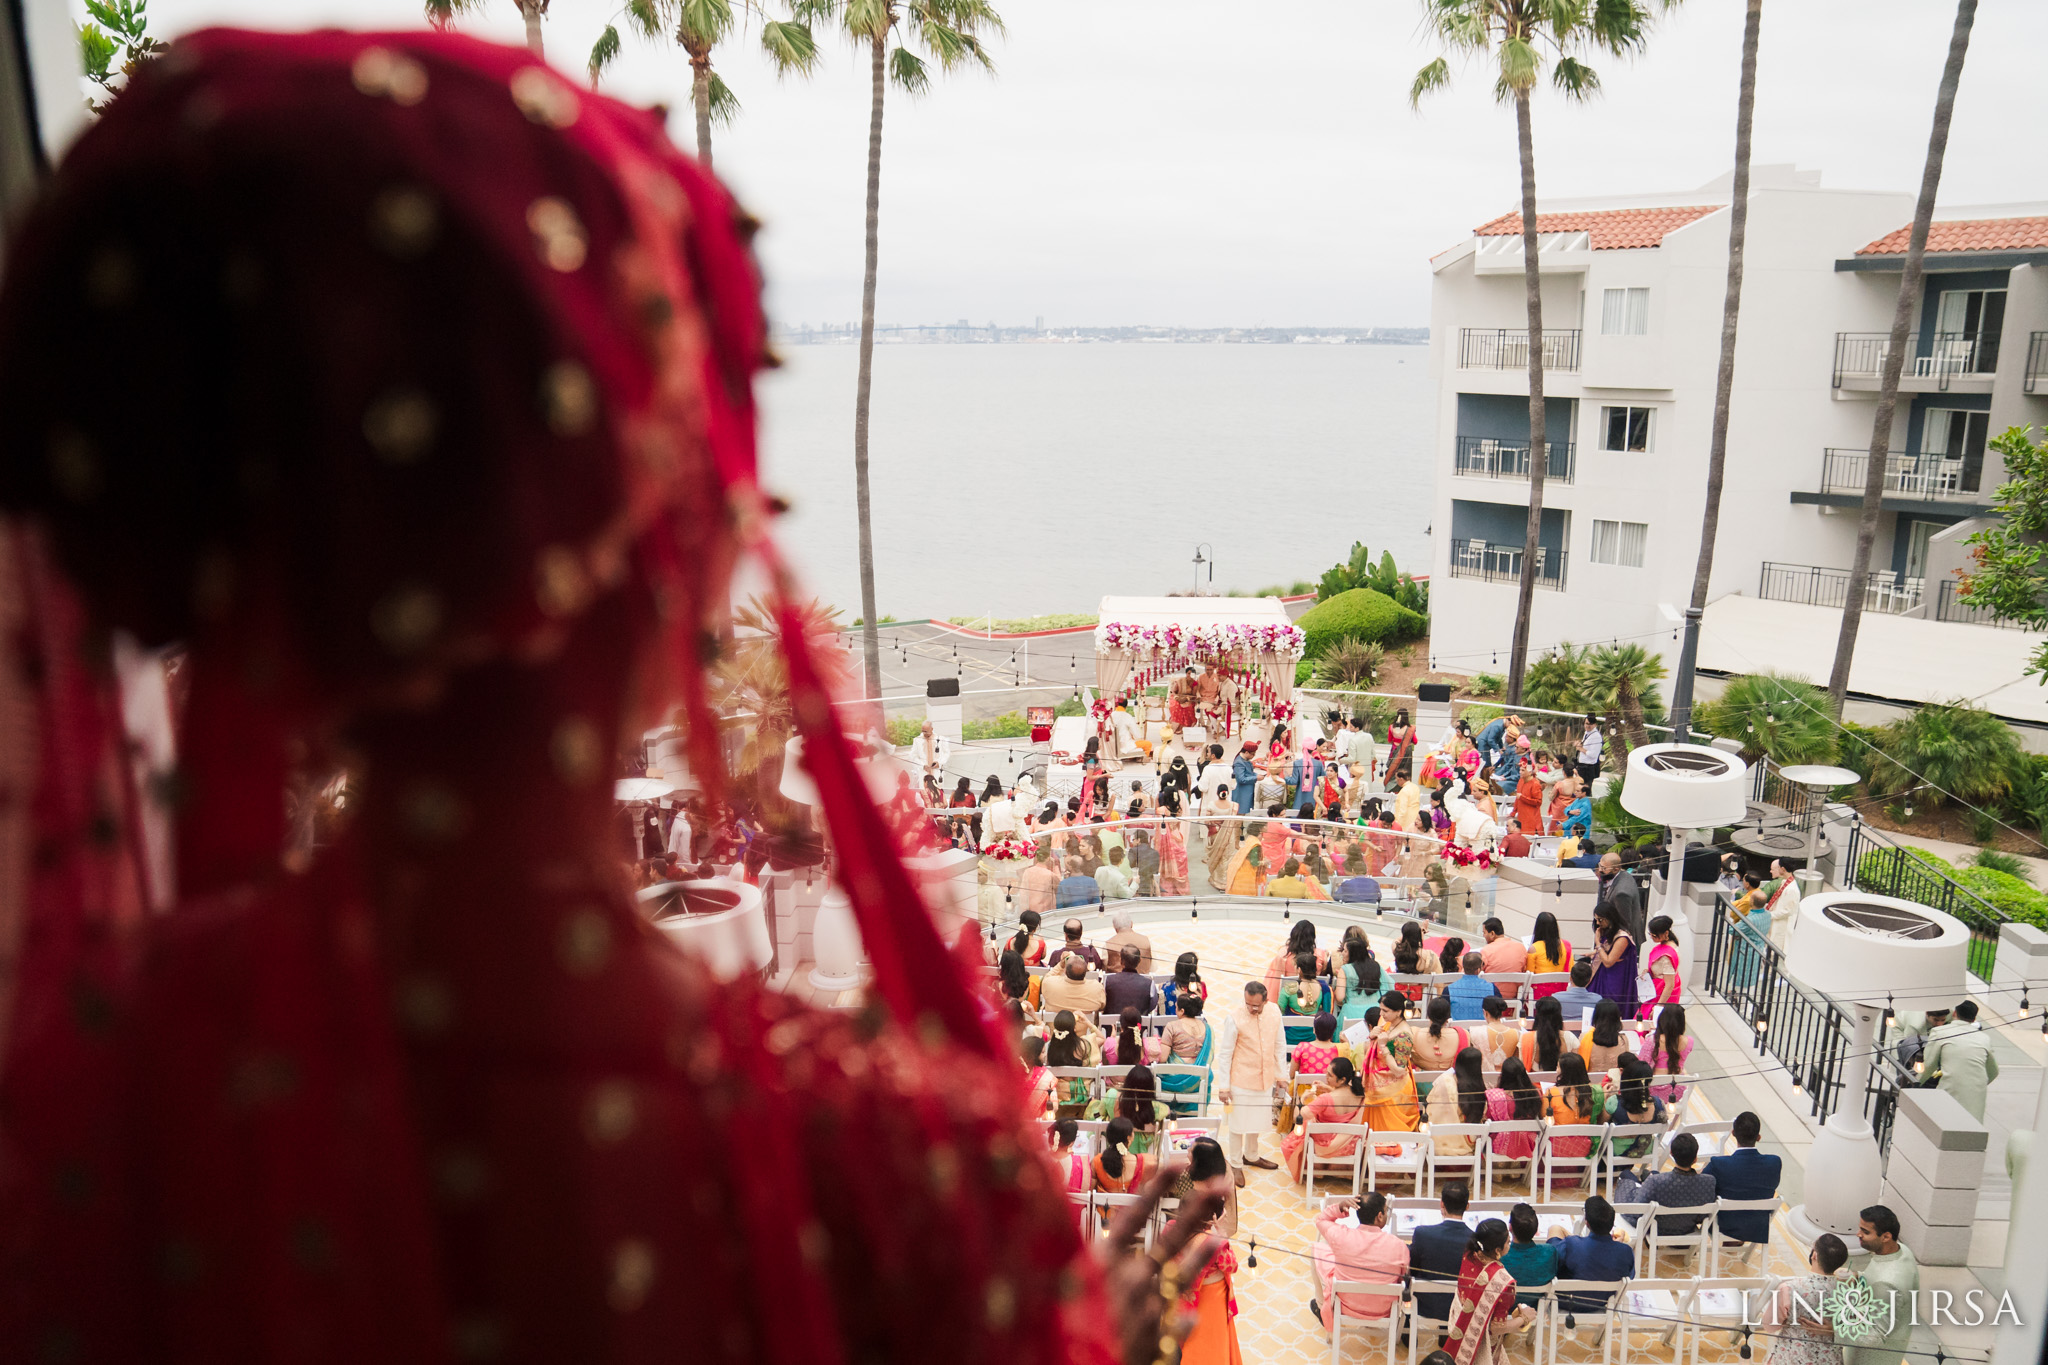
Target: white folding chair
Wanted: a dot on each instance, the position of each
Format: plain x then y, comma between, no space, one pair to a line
1724,1303
1312,1159
1336,1318
1700,1241
1549,1163
1573,1317
1729,1251
1106,1206
1618,1133
1662,1305
1714,1138
1084,1201
1417,1323
1405,1165
1499,1128
1199,1096
1472,1163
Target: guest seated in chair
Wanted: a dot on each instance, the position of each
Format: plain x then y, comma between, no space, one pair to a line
1746,1173
1594,1256
1367,1253
1437,1252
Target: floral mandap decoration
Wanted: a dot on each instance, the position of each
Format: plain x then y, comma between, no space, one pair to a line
1214,641
1468,857
1008,851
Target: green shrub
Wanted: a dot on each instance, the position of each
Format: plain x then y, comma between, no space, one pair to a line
1304,670
2007,894
1350,664
1476,715
1486,685
1009,725
900,730
1784,717
1956,749
1360,614
2010,864
2026,807
1070,706
1856,748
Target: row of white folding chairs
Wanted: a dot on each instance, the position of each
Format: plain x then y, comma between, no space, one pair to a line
1683,1323
1419,1160
1100,1078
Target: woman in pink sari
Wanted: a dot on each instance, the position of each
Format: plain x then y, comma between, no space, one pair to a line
1661,963
1341,1100
1173,858
1485,1307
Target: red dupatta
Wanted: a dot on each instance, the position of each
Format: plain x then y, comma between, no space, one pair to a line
1486,1294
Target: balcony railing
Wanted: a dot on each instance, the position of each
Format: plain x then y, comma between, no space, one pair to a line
1823,587
1843,468
1507,348
2037,359
1502,563
1861,355
1484,457
1950,606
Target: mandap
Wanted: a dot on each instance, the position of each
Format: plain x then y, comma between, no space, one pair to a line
1141,642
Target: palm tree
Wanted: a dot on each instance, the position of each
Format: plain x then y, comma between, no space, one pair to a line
950,32
440,13
1778,716
1517,32
1895,352
698,26
1724,383
1616,679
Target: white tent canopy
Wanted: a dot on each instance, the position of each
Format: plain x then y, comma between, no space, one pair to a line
1252,633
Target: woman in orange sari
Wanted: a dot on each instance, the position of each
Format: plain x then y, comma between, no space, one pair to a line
1340,1099
1529,802
1389,1084
1213,1298
1485,1307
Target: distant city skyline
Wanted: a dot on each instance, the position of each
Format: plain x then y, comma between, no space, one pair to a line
1170,160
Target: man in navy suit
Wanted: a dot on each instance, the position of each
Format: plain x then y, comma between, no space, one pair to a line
1595,1256
1746,1173
1438,1250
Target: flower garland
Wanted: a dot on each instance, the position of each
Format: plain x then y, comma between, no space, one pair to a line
1008,851
1282,710
1099,708
1468,857
1206,641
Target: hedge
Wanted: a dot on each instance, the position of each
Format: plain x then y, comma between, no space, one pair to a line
1360,614
2002,891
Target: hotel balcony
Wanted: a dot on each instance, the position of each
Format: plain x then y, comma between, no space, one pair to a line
1507,348
1912,482
1486,457
1816,586
1497,563
1950,606
1937,363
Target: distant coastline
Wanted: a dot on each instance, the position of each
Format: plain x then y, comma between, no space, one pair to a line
964,333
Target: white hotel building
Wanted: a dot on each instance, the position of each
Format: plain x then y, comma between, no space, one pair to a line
1632,294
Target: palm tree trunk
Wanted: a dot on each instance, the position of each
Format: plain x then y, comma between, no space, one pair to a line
1539,449
700,99
1895,353
1724,383
530,11
871,640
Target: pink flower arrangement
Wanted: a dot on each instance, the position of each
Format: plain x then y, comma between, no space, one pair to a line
1468,857
1008,850
1206,641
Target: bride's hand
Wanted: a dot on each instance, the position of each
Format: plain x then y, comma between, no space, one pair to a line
1144,1312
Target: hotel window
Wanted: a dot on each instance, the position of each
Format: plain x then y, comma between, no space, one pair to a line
1620,542
1627,429
1625,312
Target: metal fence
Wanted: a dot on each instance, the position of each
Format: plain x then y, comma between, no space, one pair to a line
1819,586
1485,457
1808,1033
1494,563
1861,355
2037,360
1950,606
1932,477
1507,348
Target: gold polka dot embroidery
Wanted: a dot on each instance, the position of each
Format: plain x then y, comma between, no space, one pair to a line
632,1274
425,1005
404,221
400,426
557,233
383,74
560,585
543,98
569,398
584,943
1001,1300
577,752
407,618
611,1114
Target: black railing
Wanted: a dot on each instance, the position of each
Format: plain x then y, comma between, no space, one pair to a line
1485,457
1808,1033
1496,563
1950,606
2037,360
1818,586
1843,469
1943,355
1507,348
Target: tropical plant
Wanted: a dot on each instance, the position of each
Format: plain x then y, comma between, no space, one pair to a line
1360,614
1952,749
1485,685
749,680
115,28
1617,679
1521,35
697,27
1724,380
1552,683
900,730
2010,579
1777,716
1359,571
442,13
2027,804
1350,663
1614,818
949,32
1895,355
1009,725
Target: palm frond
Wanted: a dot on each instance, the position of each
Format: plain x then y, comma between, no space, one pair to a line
604,51
647,18
868,18
440,13
725,106
1433,77
813,11
704,23
1618,26
908,71
1575,79
1520,64
790,46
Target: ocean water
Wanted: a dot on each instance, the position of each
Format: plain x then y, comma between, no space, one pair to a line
1018,479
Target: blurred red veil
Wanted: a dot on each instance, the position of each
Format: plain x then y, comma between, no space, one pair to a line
410,387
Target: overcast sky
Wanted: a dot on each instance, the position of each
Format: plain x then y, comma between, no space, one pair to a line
1212,162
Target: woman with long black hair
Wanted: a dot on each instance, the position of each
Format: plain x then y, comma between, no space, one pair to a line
1459,1098
1546,1043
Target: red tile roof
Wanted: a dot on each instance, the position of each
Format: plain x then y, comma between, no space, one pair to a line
1971,234
1611,229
